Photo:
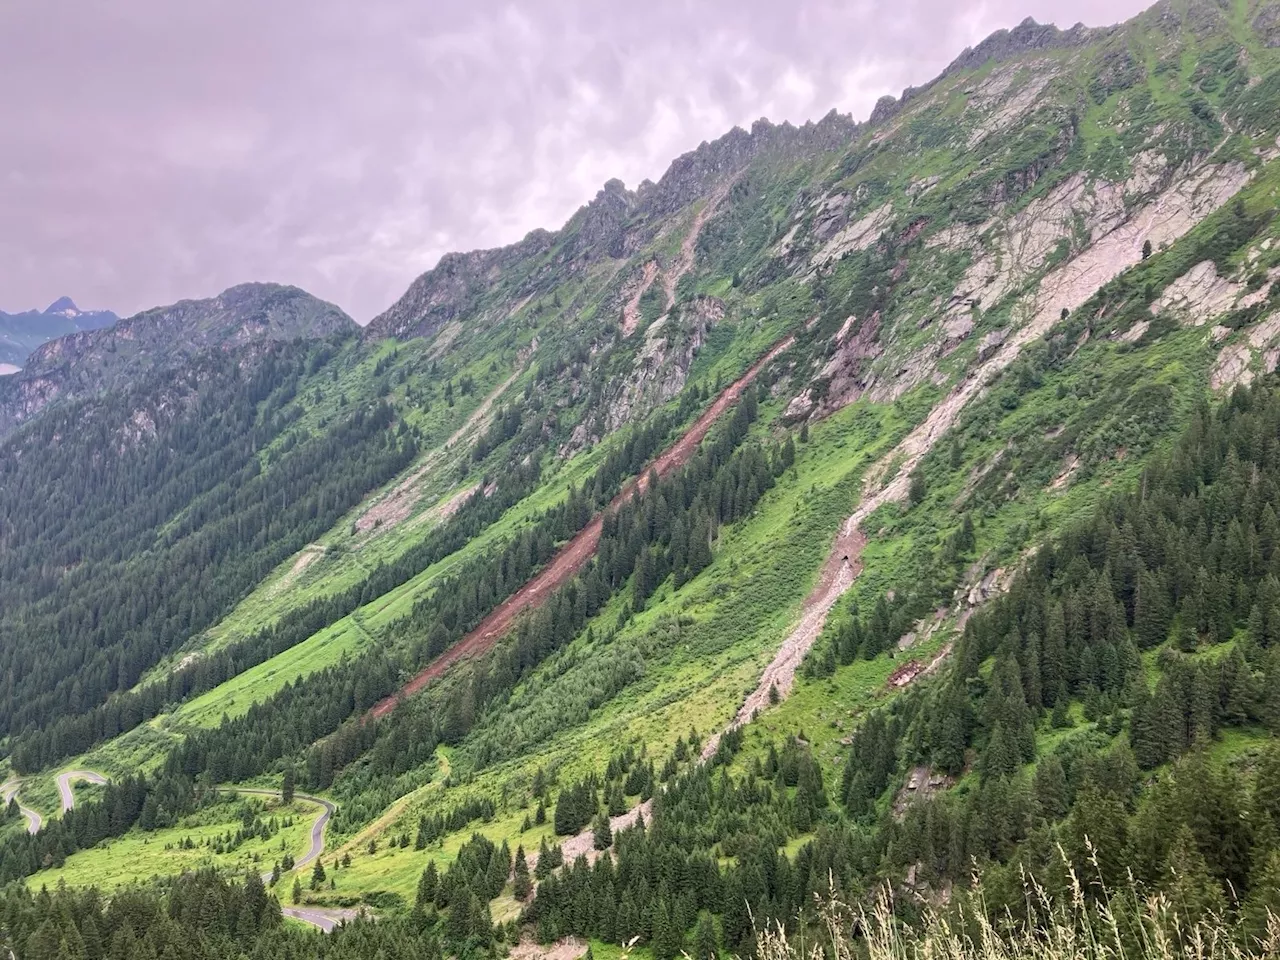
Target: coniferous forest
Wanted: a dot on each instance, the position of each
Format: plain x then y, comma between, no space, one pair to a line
862,541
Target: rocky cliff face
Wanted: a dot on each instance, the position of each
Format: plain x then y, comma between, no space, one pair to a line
615,226
91,361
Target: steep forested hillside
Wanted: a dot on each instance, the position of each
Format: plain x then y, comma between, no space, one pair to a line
862,507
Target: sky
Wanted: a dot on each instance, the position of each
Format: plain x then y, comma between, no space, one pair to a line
153,150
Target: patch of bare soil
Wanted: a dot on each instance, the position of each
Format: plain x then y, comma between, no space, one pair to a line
395,506
307,556
1170,215
838,573
1069,468
913,670
583,844
568,948
574,554
443,511
631,309
689,246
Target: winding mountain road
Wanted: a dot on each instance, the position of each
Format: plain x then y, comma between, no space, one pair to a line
325,918
8,791
317,828
65,793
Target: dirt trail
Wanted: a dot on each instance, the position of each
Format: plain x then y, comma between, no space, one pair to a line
574,555
396,505
307,556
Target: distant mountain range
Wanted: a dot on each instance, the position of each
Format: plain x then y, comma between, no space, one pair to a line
21,333
87,361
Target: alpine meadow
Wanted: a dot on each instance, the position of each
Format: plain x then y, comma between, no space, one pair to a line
863,541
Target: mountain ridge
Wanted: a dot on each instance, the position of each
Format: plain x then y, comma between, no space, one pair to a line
691,175
86,362
22,333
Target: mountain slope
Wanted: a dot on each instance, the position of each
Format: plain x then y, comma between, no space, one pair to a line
1013,303
21,333
92,360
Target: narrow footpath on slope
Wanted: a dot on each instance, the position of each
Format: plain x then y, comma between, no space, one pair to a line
573,556
395,505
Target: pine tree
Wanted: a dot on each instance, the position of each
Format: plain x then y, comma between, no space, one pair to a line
287,785
705,946
522,886
297,890
1193,892
664,939
317,874
428,886
602,834
1051,788
420,841
918,489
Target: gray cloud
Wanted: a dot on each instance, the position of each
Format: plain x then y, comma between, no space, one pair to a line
152,150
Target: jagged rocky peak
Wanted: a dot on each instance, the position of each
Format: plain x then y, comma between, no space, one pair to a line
63,305
453,287
1024,38
599,228
697,173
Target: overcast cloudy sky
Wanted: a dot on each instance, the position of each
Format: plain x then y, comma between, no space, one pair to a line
152,150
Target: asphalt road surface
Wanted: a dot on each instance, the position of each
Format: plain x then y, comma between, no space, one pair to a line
64,785
8,791
317,828
326,918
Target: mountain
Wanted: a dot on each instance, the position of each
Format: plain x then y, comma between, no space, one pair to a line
862,506
94,359
20,333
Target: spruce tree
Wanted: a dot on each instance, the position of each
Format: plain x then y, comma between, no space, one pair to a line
522,886
601,833
705,945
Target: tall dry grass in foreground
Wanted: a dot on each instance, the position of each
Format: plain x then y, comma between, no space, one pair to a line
1131,926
